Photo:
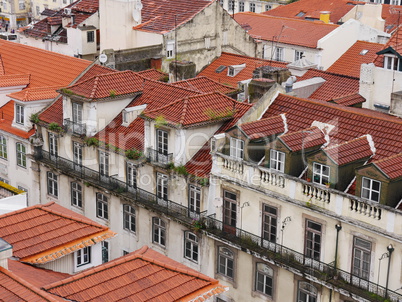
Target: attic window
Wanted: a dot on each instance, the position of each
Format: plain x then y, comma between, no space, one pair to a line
301,14
364,52
220,69
233,70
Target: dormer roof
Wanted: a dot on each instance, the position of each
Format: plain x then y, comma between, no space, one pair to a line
391,166
12,80
303,139
349,100
393,46
35,94
265,127
204,84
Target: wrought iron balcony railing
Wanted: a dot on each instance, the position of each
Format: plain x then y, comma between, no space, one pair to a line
74,127
157,157
245,240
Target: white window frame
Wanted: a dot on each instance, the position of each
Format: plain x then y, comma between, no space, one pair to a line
83,256
158,231
226,265
252,7
319,172
53,148
241,6
131,171
105,251
170,51
103,163
21,155
277,160
231,5
77,113
76,194
298,54
279,53
19,114
129,218
391,62
308,291
369,189
52,185
102,206
77,153
162,141
361,258
191,246
90,36
264,279
194,198
3,147
162,186
313,239
236,148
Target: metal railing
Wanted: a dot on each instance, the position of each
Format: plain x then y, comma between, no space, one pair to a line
73,127
155,156
247,241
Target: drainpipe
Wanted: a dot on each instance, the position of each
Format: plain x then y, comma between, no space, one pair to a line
390,249
338,228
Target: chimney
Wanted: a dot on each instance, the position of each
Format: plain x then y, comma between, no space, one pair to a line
6,251
324,16
181,70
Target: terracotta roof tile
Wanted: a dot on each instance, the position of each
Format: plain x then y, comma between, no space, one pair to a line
144,275
35,94
312,9
349,63
14,80
228,59
349,100
204,84
153,74
335,85
390,13
38,231
287,30
350,151
303,139
53,113
264,127
6,119
95,70
394,42
391,166
165,15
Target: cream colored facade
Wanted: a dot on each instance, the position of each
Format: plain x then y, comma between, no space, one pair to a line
14,14
237,6
38,6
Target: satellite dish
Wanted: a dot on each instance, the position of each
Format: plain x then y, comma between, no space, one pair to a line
102,58
136,15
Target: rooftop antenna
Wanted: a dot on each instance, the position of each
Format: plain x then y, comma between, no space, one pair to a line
277,41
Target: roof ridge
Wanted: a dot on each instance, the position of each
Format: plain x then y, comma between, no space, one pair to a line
184,110
335,74
387,158
263,119
347,142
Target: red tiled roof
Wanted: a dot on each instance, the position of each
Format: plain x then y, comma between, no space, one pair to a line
45,67
391,166
53,113
6,119
35,94
349,63
153,74
349,100
312,9
94,70
39,233
228,59
390,13
349,122
144,275
303,139
264,127
349,151
204,84
165,15
284,30
2,71
13,288
108,85
14,80
335,85
34,275
196,110
394,42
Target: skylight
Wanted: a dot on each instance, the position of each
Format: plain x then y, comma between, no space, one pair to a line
301,14
364,51
220,69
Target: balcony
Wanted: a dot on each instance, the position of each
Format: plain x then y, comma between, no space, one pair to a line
73,127
157,157
282,256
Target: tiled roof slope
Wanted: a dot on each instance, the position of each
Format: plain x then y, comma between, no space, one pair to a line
349,63
227,59
264,127
312,9
391,166
335,85
390,13
153,74
14,80
34,275
53,113
204,84
108,85
349,122
286,30
13,288
35,94
45,67
305,138
39,234
395,42
165,15
349,100
144,275
6,119
349,151
95,70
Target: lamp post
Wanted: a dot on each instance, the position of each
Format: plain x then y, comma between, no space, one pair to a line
390,249
284,222
383,256
246,204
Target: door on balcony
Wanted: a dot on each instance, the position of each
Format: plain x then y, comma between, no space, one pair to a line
162,146
269,224
361,258
77,117
229,212
104,166
161,188
53,149
77,156
312,247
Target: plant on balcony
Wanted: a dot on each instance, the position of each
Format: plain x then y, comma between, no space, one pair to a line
248,242
197,225
92,141
181,170
170,166
160,121
34,118
217,115
202,181
55,127
133,154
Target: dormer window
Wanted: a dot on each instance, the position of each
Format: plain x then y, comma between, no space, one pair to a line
277,160
170,49
233,70
392,62
19,114
125,117
371,189
236,148
320,174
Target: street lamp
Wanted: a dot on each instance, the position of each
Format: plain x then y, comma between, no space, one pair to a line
383,256
284,222
245,204
390,249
